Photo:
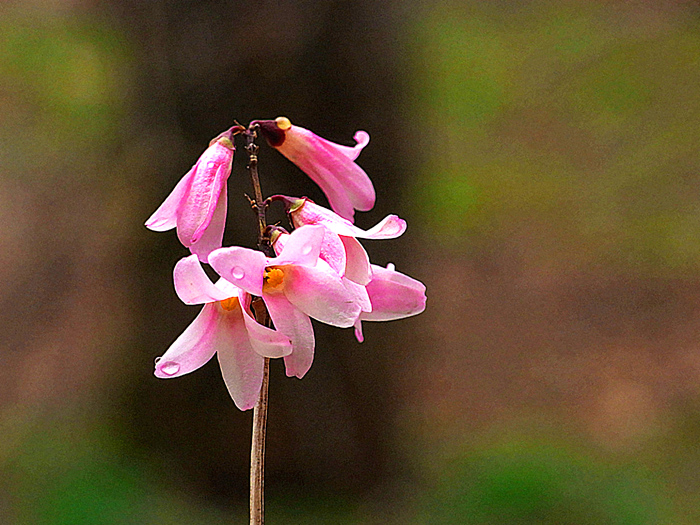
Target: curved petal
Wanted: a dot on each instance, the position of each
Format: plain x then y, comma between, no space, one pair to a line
311,213
296,325
319,293
358,331
213,235
301,247
359,294
240,266
394,295
193,285
357,267
165,217
265,342
195,346
210,174
332,167
333,252
241,367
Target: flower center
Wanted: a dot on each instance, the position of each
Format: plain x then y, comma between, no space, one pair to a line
229,304
273,277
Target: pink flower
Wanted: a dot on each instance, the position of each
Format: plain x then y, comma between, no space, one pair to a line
393,295
329,165
341,249
197,205
295,286
224,327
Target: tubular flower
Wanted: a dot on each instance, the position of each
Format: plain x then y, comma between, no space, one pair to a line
330,165
341,249
295,286
197,205
393,295
224,327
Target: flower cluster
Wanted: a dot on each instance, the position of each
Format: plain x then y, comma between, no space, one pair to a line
262,306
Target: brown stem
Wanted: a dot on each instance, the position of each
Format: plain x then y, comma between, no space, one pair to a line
257,447
257,453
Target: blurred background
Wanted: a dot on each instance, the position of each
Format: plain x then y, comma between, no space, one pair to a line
546,157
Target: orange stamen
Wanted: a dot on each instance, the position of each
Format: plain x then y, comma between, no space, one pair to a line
229,304
274,277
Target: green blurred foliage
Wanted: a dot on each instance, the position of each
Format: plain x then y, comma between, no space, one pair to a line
64,92
519,483
564,118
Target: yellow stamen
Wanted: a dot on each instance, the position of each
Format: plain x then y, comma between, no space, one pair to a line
229,304
283,123
274,277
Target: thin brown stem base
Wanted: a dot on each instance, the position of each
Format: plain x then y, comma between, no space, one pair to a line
257,452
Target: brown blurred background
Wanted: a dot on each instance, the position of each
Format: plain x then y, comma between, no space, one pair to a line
546,156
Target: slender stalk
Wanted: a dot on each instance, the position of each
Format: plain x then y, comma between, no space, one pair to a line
257,447
257,453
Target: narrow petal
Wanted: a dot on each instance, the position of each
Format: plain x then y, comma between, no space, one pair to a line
301,247
213,236
357,267
165,217
333,252
240,266
359,294
296,325
266,342
195,346
319,293
210,175
309,212
394,295
332,167
192,285
358,331
241,367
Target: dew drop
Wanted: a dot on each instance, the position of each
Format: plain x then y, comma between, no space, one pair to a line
391,267
170,368
157,359
237,272
306,250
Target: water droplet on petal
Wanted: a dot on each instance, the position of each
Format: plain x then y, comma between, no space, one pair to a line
237,272
306,250
391,267
170,368
157,359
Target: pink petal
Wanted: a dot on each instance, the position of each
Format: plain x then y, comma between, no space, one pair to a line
296,325
266,342
332,167
311,213
358,331
213,235
301,247
357,267
195,346
165,217
333,252
240,266
193,286
210,174
241,367
394,295
319,293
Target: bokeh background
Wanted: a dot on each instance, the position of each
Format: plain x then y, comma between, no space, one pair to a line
546,155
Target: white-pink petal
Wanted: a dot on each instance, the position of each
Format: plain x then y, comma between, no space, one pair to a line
192,284
241,266
265,341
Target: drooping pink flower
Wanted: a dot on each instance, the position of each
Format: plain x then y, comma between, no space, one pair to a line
224,327
331,166
295,286
342,250
197,205
393,295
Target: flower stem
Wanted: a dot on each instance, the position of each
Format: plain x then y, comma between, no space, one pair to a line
257,446
257,453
